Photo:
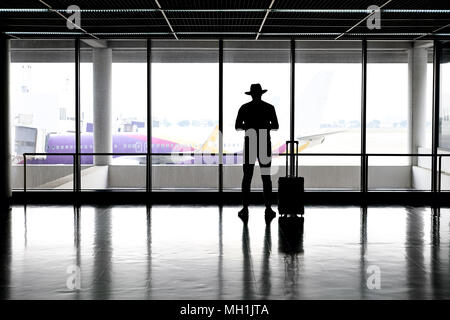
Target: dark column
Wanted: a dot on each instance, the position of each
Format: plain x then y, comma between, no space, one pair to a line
220,116
5,253
5,150
364,160
149,116
435,119
77,173
292,115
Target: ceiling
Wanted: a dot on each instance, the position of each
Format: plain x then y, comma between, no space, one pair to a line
241,19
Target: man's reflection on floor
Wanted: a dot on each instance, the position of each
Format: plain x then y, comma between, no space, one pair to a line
248,280
266,283
290,244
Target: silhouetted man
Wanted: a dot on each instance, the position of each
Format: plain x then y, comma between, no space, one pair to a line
257,118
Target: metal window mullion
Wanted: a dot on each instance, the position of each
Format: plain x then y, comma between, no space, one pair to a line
435,117
149,120
24,172
364,159
292,108
77,161
220,115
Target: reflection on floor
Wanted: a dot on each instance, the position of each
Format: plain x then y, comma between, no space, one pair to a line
195,252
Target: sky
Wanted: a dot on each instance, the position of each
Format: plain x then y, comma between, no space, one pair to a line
325,92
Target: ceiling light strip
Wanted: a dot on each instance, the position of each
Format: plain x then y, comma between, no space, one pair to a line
13,33
167,20
264,20
433,32
361,21
65,18
144,10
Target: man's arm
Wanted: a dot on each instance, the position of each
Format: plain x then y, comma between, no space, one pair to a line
239,125
273,120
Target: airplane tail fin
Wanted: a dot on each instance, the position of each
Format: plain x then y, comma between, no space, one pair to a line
212,142
280,149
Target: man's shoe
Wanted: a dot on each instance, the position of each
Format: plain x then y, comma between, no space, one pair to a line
243,214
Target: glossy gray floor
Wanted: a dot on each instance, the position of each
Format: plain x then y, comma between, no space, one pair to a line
195,252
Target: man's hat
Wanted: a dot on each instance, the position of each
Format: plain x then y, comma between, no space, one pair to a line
255,89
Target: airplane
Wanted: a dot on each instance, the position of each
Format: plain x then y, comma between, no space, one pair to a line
131,142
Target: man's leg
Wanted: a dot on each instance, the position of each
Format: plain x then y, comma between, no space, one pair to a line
265,163
246,183
267,188
250,154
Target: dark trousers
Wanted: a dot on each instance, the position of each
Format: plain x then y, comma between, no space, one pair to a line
247,181
248,168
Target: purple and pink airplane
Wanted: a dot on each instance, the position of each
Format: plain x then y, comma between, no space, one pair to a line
132,142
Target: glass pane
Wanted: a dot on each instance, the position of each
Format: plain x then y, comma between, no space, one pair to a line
444,117
388,115
42,86
399,88
444,120
124,173
387,101
49,172
247,63
386,173
328,112
114,114
185,114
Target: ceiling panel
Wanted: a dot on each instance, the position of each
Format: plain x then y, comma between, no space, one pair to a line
227,18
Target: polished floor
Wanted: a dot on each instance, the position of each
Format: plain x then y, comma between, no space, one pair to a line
207,252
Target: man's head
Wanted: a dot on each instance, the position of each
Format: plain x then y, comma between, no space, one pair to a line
256,91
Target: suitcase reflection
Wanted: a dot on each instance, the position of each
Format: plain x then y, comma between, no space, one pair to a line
290,234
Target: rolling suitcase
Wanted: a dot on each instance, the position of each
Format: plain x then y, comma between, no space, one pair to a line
291,188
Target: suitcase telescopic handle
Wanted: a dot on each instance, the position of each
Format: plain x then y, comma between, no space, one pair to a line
294,164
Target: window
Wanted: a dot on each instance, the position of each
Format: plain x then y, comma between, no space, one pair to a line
185,112
444,120
42,88
120,71
184,103
246,63
328,113
387,116
444,115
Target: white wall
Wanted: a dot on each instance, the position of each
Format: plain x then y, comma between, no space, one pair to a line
422,173
192,176
39,175
59,177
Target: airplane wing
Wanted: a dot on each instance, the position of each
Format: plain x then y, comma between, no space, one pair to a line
317,136
314,140
307,141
